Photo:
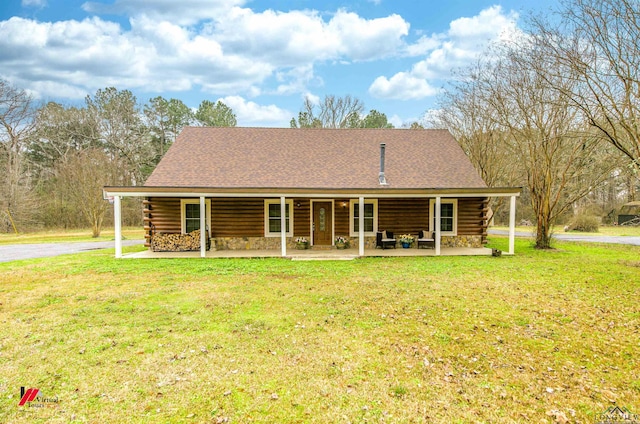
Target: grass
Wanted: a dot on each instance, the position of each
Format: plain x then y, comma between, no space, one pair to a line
64,236
536,337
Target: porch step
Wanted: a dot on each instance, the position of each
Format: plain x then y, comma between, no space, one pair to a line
324,258
322,248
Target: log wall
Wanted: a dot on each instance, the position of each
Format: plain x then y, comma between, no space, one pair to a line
244,217
472,213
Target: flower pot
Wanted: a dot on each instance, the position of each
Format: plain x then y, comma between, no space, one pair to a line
301,246
406,245
341,246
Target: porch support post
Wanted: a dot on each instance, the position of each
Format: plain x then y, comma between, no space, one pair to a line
361,226
283,226
437,214
117,220
512,225
203,228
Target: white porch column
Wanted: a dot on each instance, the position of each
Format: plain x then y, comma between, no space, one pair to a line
203,228
117,220
438,223
283,226
512,225
361,226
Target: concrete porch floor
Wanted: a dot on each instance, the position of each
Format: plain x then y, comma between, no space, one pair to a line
312,254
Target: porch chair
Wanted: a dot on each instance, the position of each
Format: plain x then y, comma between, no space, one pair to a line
385,239
426,239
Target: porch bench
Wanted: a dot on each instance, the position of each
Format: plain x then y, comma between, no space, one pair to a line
426,239
385,239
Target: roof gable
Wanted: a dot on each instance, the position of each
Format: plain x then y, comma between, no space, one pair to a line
314,158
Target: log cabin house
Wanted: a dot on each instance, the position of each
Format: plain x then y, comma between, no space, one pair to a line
235,183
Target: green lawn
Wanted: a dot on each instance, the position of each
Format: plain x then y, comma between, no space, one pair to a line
63,236
536,337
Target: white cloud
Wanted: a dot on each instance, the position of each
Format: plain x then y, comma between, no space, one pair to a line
297,37
457,48
250,113
34,3
401,86
183,12
295,80
362,39
424,45
235,51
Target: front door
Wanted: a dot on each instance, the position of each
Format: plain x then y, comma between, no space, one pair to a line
322,223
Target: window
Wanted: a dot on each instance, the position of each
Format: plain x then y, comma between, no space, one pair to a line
448,216
370,219
272,222
190,214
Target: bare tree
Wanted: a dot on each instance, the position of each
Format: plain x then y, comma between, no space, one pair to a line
16,124
464,110
333,112
58,131
597,45
80,178
547,134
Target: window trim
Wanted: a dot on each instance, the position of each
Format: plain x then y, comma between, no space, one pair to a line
432,209
268,202
183,213
353,204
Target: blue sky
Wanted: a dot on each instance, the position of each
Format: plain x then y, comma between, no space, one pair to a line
262,58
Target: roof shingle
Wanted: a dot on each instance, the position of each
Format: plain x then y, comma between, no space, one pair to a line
313,158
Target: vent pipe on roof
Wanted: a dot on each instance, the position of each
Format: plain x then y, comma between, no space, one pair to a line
381,177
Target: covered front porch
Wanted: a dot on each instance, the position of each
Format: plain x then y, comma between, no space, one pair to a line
281,234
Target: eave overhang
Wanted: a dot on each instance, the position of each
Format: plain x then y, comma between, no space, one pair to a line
309,192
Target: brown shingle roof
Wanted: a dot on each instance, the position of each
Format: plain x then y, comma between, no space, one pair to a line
313,158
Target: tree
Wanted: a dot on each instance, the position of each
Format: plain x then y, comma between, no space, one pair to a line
463,109
546,134
333,112
597,45
375,119
305,120
59,131
165,120
122,133
215,114
16,124
80,178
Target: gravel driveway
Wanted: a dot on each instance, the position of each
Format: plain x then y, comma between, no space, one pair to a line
14,252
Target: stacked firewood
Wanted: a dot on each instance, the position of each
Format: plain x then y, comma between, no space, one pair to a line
176,242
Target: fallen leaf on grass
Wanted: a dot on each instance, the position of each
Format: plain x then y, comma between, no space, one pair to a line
558,416
609,395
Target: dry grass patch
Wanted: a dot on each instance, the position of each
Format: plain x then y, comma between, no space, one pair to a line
536,337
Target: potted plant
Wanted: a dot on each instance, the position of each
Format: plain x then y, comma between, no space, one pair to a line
342,242
406,240
302,243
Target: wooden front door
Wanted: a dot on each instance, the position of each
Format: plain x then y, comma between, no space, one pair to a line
322,223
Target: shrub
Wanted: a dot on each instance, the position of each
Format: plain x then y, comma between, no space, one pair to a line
585,223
